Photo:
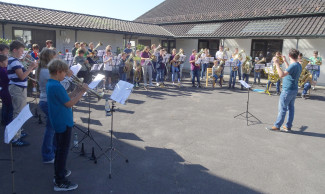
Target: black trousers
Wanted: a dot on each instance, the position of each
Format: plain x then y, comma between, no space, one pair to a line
61,154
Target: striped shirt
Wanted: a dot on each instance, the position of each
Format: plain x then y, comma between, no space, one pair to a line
13,65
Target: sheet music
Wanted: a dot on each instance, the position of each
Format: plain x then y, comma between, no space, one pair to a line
96,67
17,123
122,92
268,64
210,59
230,64
259,66
198,61
182,58
165,59
244,84
75,69
100,53
312,67
96,81
68,56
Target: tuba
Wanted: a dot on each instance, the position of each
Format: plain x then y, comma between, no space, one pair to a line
222,61
305,75
176,58
152,52
237,58
197,56
247,65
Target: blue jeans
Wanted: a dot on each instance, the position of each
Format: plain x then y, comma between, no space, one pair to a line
61,154
286,103
175,70
6,113
160,75
258,76
195,73
315,75
154,69
204,69
245,78
123,76
307,86
49,142
239,71
278,83
232,79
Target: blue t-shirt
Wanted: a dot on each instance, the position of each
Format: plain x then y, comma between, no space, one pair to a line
60,115
127,50
290,82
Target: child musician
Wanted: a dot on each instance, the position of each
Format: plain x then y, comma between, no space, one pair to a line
85,67
4,49
42,75
7,110
146,66
217,72
61,118
17,75
34,54
137,69
278,83
247,67
121,64
307,82
108,67
160,68
195,69
316,61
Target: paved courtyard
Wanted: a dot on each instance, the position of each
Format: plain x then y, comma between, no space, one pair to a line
184,140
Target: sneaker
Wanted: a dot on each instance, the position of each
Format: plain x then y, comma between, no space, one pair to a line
193,86
65,186
157,84
287,129
278,93
313,88
151,85
19,143
173,83
49,162
274,128
303,96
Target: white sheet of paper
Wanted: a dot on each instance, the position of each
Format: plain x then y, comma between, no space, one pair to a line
101,53
96,81
122,92
211,59
182,58
17,123
244,84
75,69
68,56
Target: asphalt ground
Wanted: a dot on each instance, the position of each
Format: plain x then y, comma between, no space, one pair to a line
183,140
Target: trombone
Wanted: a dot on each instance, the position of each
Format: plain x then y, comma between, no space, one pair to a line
78,82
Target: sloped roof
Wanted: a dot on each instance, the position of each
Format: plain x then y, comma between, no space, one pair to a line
13,13
287,27
180,11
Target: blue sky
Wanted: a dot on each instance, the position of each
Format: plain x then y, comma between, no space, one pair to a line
120,9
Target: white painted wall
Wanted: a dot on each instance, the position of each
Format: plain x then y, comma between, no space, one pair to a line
187,45
307,46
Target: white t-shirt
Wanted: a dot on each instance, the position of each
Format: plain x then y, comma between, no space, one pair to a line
219,54
108,66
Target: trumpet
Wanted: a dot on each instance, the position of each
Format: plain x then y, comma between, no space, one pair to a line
78,82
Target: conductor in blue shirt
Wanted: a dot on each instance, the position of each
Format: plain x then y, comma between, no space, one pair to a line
289,90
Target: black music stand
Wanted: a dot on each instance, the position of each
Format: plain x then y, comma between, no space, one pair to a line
246,114
12,129
121,93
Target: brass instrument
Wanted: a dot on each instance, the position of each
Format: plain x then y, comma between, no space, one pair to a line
92,54
224,52
318,62
128,64
280,59
78,82
176,58
218,71
197,56
137,74
305,75
259,62
152,52
247,65
237,58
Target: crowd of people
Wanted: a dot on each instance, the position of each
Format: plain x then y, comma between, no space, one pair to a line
149,63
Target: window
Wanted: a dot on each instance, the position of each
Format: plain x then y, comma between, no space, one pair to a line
145,42
265,26
204,29
169,45
24,36
34,36
211,44
266,47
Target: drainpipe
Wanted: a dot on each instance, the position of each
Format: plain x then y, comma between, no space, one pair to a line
3,30
76,35
297,45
